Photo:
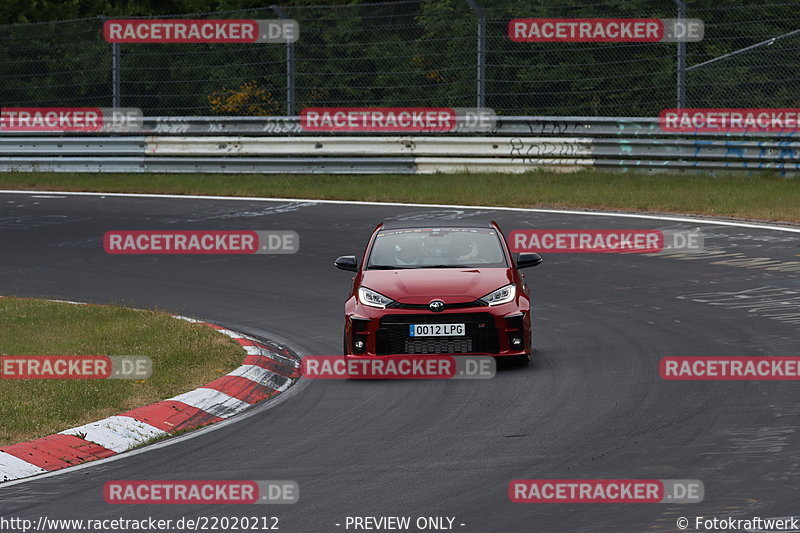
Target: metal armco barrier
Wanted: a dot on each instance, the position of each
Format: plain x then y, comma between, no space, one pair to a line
515,144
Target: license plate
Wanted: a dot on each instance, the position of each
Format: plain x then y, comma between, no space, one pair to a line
436,330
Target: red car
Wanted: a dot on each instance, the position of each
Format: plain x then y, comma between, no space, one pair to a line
438,288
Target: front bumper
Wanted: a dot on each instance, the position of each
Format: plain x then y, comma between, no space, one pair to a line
499,331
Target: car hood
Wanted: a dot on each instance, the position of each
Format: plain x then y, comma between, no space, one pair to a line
451,285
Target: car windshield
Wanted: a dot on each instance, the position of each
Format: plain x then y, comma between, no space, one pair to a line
436,248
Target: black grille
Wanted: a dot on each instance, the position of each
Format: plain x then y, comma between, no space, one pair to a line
480,337
464,305
438,345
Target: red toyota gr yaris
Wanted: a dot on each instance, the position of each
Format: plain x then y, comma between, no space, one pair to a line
438,288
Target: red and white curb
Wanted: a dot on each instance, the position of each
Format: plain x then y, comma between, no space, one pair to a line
266,371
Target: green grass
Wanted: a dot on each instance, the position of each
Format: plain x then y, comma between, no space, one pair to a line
765,196
184,356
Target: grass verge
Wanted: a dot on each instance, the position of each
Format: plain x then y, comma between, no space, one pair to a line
185,356
763,196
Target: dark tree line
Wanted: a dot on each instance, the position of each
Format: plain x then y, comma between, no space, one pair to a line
400,53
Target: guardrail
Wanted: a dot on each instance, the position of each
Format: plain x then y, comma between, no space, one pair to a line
514,144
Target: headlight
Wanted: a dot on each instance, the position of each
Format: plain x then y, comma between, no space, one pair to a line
503,295
373,299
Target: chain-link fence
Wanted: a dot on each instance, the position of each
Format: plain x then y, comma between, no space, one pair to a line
417,53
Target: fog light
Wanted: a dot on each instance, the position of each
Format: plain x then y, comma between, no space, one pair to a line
516,342
359,345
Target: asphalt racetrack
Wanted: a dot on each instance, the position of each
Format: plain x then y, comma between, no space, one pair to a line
592,405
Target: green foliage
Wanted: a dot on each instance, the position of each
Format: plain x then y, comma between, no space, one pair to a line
399,53
184,356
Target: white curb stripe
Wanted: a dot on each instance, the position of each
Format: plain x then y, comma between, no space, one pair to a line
278,358
187,319
69,302
213,402
685,218
253,373
262,376
117,433
229,333
256,350
13,468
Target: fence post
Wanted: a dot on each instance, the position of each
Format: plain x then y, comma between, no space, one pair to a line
116,79
681,80
481,89
290,88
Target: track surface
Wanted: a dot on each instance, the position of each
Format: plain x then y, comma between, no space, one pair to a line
592,405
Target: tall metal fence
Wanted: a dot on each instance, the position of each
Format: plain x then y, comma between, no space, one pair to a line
452,53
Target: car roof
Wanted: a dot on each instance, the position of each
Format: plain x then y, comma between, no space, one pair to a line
403,224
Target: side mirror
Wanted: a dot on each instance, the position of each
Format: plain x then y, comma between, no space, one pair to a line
528,259
346,262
